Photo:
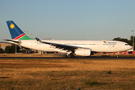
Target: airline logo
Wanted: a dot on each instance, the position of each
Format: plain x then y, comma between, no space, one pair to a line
104,41
12,26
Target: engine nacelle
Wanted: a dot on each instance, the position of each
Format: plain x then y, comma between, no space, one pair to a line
83,52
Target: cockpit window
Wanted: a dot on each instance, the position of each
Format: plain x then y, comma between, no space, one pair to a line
126,44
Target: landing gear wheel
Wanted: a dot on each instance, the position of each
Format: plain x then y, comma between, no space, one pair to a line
65,56
71,55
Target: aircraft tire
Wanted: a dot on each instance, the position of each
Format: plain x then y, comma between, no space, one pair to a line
71,55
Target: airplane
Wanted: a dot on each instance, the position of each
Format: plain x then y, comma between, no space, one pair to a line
70,48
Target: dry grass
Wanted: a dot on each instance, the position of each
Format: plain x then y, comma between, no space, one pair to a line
57,55
67,74
30,55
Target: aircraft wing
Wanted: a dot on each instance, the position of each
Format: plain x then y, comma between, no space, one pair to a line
61,46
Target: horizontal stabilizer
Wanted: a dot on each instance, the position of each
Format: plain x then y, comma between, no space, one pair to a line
12,41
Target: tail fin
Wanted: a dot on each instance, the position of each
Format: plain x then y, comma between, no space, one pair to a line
16,32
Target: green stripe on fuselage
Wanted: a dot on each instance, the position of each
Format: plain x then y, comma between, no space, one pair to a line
25,37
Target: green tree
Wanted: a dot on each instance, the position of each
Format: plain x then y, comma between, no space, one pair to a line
1,50
11,49
117,39
8,49
24,50
131,38
121,39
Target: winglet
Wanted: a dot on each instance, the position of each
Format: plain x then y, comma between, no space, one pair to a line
38,39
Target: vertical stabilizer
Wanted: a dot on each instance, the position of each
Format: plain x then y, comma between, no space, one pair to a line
16,32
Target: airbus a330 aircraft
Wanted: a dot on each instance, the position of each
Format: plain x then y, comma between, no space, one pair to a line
69,47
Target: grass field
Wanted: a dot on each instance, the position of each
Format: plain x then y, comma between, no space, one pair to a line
29,55
67,74
59,55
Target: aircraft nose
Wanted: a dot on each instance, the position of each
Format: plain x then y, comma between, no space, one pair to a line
130,47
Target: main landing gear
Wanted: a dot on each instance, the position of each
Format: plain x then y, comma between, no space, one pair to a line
71,55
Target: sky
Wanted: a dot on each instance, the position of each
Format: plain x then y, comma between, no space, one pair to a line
69,19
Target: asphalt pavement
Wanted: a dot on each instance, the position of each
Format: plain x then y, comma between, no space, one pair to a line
74,58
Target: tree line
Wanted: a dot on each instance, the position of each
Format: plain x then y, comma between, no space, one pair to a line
11,49
14,48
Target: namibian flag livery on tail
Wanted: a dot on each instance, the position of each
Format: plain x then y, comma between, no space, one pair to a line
16,32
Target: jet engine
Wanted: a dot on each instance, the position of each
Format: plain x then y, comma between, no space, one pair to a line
83,52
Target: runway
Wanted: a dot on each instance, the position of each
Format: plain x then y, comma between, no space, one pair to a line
75,58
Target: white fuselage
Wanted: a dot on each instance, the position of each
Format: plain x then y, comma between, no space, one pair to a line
96,46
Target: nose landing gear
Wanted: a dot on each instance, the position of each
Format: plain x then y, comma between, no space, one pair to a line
117,54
